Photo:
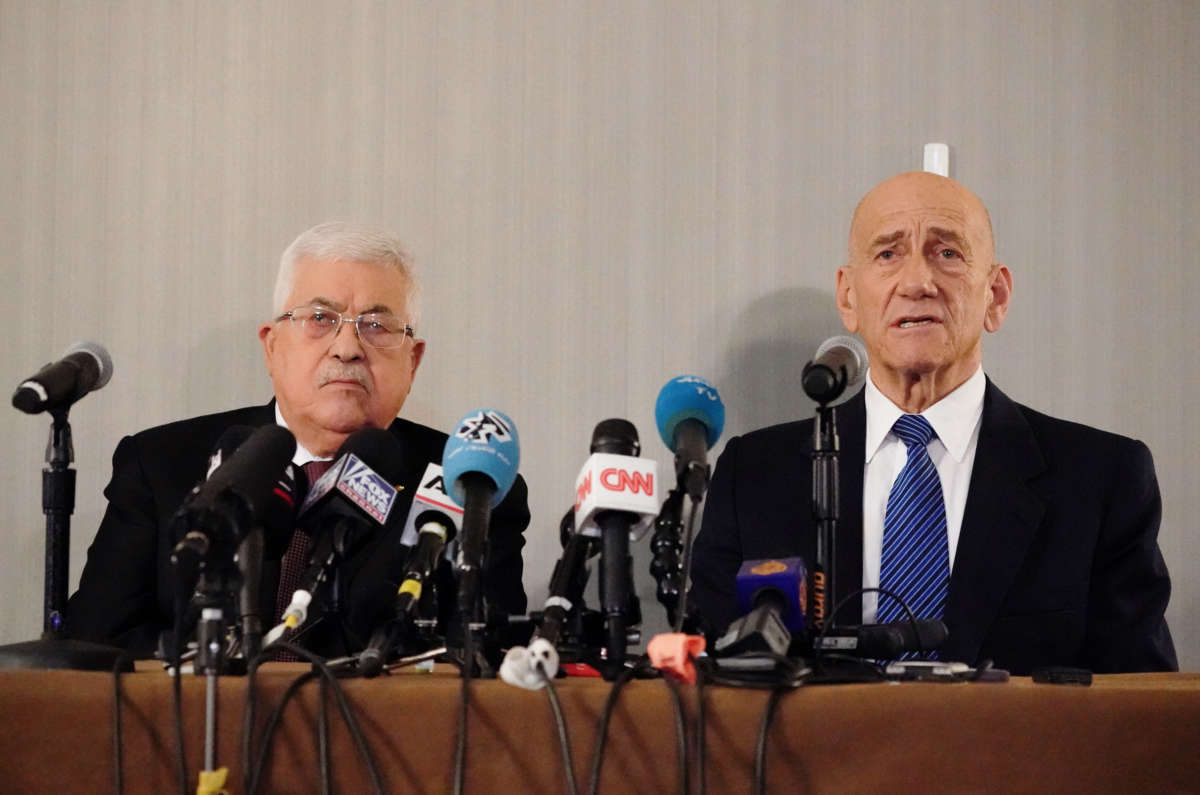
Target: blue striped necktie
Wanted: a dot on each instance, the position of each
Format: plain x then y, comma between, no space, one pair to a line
915,562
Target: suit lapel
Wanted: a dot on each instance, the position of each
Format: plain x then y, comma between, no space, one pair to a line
848,552
1001,517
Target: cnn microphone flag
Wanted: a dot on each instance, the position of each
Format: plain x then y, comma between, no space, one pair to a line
611,482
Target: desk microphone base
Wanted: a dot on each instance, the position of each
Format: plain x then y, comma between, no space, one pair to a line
75,655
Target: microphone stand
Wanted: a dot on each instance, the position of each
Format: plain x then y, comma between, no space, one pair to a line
667,546
825,500
216,594
54,649
215,590
619,602
472,541
672,552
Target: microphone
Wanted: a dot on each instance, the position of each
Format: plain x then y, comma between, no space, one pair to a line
690,417
84,367
281,510
436,530
343,506
220,511
479,463
567,583
886,641
615,479
615,497
771,596
839,364
433,522
267,539
431,495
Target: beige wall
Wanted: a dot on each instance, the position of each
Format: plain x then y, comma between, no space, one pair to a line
601,195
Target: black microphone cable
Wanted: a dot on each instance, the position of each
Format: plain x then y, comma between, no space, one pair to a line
560,723
760,751
253,772
177,691
253,776
681,745
819,655
118,776
606,716
701,730
789,675
464,698
323,737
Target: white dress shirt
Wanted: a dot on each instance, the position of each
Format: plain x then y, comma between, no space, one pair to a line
303,456
955,420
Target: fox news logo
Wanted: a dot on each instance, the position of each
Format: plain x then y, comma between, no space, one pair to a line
367,489
483,427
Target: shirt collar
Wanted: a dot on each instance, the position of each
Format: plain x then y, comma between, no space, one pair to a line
302,456
954,417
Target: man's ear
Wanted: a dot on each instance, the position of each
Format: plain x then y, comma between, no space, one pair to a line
999,297
418,353
846,300
266,335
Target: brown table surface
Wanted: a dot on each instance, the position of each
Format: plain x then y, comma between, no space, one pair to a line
1126,733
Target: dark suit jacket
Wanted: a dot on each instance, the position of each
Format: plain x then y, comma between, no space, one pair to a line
1057,560
126,592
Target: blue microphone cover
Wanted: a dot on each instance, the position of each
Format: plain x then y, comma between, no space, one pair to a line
786,577
484,441
689,397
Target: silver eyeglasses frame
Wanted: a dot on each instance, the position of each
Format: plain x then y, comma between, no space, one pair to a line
405,333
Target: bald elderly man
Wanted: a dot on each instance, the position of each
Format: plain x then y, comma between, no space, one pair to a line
1033,538
342,352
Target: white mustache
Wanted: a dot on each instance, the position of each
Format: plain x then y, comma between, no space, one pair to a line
350,373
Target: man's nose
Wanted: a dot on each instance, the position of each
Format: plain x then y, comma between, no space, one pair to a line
347,346
916,276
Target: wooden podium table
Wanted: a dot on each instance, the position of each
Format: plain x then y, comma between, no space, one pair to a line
1127,733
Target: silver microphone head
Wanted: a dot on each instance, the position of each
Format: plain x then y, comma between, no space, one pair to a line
100,354
850,353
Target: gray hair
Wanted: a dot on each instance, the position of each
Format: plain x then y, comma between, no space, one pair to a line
347,242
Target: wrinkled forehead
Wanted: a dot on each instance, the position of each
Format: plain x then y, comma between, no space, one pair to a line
350,284
919,201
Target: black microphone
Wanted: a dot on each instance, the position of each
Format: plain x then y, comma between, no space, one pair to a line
435,530
567,584
567,581
343,508
886,641
220,511
84,367
615,437
839,364
281,510
267,539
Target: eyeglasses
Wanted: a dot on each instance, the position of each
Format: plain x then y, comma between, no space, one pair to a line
377,329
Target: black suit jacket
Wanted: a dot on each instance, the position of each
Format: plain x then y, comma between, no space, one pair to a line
1057,560
126,592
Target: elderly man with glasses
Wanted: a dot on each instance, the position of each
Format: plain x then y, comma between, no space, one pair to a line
342,353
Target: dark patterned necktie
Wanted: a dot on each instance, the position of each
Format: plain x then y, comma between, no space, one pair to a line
915,562
295,559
